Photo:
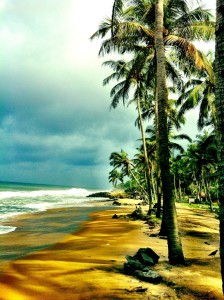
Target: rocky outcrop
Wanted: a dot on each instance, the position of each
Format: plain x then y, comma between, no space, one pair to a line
101,195
139,265
148,275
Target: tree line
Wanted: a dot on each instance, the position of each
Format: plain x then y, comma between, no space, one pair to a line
164,76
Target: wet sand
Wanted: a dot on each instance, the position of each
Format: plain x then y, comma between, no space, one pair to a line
88,264
40,230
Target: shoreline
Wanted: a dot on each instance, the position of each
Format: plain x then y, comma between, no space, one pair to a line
88,264
45,224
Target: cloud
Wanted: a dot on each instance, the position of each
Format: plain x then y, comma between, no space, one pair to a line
55,122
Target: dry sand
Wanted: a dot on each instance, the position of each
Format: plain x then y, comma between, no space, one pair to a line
89,264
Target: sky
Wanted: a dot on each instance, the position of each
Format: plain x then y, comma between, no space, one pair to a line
56,125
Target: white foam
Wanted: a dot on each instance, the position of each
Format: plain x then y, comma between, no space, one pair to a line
14,203
70,192
6,229
10,215
39,206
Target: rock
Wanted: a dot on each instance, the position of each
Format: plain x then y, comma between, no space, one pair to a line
115,216
137,214
101,195
149,276
146,260
135,262
132,265
147,256
116,203
138,265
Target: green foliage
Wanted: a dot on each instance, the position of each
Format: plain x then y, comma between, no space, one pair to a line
190,75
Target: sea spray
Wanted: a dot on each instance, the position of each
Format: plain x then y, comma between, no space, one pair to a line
18,198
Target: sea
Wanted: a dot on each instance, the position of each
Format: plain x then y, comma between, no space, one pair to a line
39,226
22,198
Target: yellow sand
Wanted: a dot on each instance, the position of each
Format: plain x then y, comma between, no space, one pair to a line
89,264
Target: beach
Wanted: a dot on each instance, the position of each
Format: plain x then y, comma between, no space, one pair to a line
88,263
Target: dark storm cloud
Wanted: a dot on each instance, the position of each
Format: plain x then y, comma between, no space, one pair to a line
55,122
56,126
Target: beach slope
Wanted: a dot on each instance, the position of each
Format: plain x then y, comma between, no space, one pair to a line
89,263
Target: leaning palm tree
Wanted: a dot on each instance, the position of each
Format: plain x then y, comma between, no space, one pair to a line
114,176
131,76
122,162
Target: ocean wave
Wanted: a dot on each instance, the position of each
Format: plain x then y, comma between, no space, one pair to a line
19,201
6,229
76,192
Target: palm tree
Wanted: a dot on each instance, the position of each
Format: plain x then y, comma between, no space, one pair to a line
114,176
132,30
122,162
198,165
219,103
208,156
174,243
132,77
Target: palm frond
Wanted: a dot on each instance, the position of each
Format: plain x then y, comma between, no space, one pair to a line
187,50
192,100
189,18
107,47
204,111
109,78
176,146
103,28
182,136
174,75
199,31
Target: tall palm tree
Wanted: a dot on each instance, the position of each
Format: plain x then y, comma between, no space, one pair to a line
174,243
219,102
132,77
132,29
207,151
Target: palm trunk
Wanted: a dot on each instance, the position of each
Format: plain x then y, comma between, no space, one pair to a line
206,189
138,183
208,194
174,243
154,194
197,186
159,195
148,172
180,191
219,103
158,175
175,187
